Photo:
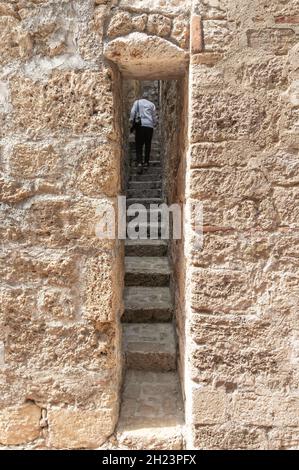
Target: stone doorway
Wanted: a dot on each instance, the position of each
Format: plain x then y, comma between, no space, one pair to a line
152,406
152,413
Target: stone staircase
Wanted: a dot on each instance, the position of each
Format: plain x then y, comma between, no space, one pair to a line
151,414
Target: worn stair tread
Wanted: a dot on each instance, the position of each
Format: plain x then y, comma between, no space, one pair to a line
151,414
151,184
144,193
147,271
145,200
147,264
147,247
147,304
149,346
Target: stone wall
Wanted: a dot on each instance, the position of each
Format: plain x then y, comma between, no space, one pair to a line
61,286
174,126
60,159
242,288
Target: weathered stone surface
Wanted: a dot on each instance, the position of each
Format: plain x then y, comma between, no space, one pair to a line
275,40
159,25
19,424
139,22
15,43
101,277
120,24
149,417
35,265
209,406
180,31
146,57
212,9
196,34
230,141
69,102
225,116
73,428
217,35
267,410
239,353
97,171
230,436
34,161
172,7
219,183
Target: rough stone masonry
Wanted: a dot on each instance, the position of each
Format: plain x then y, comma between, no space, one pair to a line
61,66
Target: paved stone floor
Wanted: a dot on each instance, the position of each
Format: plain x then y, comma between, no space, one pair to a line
152,410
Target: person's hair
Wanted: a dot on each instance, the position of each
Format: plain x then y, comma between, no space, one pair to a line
145,95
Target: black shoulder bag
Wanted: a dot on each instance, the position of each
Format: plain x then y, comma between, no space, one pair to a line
137,119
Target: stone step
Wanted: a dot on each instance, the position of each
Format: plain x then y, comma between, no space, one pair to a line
151,215
144,193
147,271
151,415
150,171
145,184
147,305
145,177
152,163
149,346
148,232
146,248
146,202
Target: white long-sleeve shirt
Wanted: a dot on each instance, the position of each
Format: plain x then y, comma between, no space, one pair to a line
147,111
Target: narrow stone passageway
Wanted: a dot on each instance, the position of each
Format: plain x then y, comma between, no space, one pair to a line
152,408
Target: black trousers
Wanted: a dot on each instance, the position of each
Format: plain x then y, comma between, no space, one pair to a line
143,137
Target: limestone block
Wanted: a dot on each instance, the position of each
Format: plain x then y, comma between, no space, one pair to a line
63,384
17,304
14,43
286,202
73,428
227,116
276,40
120,24
209,406
269,73
267,410
8,10
57,346
101,289
146,57
13,191
71,102
35,161
221,291
282,8
236,353
56,304
204,155
58,222
159,25
216,184
211,9
180,31
36,265
283,438
217,34
171,7
139,22
97,171
281,167
19,424
230,436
